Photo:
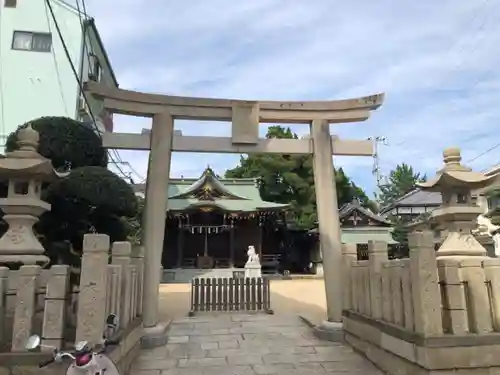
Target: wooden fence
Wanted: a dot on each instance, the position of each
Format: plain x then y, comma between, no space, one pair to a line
230,294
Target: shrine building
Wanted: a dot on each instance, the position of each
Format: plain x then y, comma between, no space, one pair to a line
210,223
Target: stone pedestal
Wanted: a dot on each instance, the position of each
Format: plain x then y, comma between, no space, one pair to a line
330,331
19,244
253,270
154,336
318,269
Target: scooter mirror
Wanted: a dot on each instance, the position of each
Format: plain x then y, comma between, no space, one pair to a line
33,342
112,321
80,345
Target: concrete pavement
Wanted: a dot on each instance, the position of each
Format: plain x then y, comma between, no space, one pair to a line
247,344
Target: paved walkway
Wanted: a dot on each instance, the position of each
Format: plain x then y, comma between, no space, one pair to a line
241,344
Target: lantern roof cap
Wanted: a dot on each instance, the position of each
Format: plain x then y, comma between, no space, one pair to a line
25,161
454,174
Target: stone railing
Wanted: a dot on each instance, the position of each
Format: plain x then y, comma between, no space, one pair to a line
41,301
423,314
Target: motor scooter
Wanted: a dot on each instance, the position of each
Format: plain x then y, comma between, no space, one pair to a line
86,360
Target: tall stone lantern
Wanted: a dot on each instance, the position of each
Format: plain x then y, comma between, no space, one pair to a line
25,170
457,214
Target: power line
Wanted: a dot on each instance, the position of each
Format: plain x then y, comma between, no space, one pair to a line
88,54
85,47
80,85
484,153
376,158
53,53
460,63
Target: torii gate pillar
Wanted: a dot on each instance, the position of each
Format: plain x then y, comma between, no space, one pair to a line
328,218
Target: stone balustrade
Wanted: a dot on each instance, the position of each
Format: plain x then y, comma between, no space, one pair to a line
425,313
42,301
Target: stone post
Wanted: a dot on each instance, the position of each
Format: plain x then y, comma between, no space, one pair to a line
425,288
328,218
492,270
480,311
91,318
455,318
55,307
4,286
349,255
121,252
377,255
138,260
24,312
155,208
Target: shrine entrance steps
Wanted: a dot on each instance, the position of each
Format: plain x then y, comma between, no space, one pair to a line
248,344
186,275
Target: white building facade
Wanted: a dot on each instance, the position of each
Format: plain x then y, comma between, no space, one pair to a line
36,76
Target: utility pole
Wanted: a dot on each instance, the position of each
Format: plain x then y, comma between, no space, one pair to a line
376,162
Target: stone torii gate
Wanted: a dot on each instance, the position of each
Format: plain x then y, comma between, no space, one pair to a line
245,117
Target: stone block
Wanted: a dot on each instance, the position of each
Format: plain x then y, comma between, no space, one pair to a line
245,122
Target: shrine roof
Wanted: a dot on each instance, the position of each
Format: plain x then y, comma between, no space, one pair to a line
415,198
233,195
354,215
359,225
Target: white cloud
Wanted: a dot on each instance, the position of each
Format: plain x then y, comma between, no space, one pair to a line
436,61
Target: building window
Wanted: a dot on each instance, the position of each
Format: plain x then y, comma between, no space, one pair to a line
27,41
10,3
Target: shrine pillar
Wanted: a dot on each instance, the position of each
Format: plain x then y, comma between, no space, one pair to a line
328,218
155,209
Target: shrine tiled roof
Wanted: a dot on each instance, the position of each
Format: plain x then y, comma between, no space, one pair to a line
415,198
354,210
232,195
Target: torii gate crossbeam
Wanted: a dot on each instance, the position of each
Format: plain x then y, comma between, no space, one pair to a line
245,117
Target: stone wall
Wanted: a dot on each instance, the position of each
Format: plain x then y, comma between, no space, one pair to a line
41,301
423,315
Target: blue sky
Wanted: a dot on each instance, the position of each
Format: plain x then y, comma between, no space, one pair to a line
437,61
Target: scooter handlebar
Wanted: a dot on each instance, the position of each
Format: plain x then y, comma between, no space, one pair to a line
111,342
47,362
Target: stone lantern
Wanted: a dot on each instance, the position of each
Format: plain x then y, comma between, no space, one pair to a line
458,213
25,169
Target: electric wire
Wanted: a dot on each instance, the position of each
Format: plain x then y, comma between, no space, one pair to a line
80,84
462,50
88,54
85,46
56,64
487,151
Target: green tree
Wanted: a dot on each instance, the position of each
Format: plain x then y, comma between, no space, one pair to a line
402,180
290,179
494,213
89,199
134,223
